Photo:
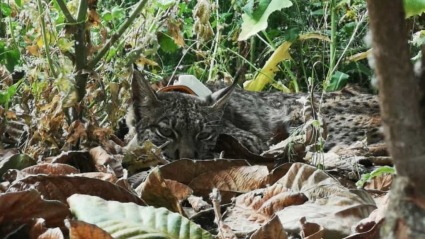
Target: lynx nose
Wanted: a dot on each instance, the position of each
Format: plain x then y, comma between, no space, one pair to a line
186,152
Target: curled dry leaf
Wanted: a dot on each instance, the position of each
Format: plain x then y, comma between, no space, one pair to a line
254,208
81,160
155,192
310,230
233,180
185,170
61,187
198,204
83,230
179,190
20,208
381,182
138,157
330,204
49,169
271,230
103,158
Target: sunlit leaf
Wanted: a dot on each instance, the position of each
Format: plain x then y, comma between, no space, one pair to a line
130,219
414,7
258,20
6,9
338,81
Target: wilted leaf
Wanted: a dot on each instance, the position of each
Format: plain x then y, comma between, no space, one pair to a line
271,230
311,230
155,192
253,209
84,230
17,161
179,190
124,219
330,204
232,180
258,20
185,170
20,208
61,187
267,73
49,169
81,160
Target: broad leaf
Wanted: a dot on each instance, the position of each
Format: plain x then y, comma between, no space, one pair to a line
124,219
338,81
414,7
256,21
267,73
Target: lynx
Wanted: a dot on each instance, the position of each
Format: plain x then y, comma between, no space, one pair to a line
188,126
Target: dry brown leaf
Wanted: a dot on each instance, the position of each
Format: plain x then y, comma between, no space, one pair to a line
155,193
84,230
254,208
179,190
372,233
51,169
81,160
311,230
76,132
382,182
271,230
174,31
61,187
233,180
20,208
108,177
185,170
198,204
330,204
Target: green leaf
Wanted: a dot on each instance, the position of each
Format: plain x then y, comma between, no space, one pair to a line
6,9
123,220
338,81
16,161
291,34
117,12
414,7
167,44
18,3
107,16
258,21
164,4
5,96
374,173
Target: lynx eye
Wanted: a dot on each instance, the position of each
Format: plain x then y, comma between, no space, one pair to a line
164,132
204,135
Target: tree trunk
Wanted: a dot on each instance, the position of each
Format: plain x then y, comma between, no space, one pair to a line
403,117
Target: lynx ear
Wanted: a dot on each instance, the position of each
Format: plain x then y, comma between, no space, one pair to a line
142,94
220,98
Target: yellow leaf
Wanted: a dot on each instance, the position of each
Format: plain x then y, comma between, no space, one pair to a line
144,61
359,56
267,73
33,50
64,44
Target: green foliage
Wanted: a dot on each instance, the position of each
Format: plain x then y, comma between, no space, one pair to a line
6,96
375,173
414,7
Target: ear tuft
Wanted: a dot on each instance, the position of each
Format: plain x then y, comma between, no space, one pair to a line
221,97
142,94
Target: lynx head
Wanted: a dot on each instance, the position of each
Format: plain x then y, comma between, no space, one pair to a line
188,124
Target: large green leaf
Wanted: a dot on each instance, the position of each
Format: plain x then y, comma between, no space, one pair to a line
123,220
338,81
255,20
414,7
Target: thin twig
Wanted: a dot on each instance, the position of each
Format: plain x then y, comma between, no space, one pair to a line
46,42
117,35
